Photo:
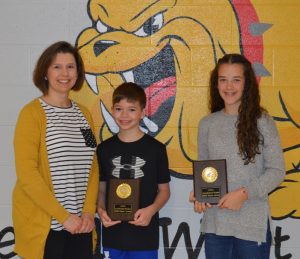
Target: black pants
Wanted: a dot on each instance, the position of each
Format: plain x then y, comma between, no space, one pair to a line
64,245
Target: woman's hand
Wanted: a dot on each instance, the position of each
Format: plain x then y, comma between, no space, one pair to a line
72,224
233,200
88,223
198,206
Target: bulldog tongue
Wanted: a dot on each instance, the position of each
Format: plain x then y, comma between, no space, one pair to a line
158,93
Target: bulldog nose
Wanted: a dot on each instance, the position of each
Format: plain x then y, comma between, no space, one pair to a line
101,45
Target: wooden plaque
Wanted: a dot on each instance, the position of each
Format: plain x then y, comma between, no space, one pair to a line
210,180
123,198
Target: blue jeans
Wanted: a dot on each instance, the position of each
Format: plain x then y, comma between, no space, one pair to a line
229,247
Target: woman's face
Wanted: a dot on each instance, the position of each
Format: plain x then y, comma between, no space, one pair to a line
231,81
62,74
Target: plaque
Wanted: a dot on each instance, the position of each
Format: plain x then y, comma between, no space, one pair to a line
210,180
123,198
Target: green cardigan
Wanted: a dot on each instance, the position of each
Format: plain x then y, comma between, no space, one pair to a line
34,202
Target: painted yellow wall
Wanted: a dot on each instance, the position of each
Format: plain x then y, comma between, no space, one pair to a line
198,33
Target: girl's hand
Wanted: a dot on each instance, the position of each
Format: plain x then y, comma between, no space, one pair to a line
233,200
198,206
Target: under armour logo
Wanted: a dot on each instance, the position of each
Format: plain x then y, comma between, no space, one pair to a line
135,167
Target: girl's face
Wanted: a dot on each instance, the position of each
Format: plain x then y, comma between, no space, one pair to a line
231,81
62,74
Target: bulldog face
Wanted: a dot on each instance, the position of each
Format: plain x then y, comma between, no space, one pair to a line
169,48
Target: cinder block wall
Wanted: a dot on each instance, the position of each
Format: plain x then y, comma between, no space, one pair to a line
27,27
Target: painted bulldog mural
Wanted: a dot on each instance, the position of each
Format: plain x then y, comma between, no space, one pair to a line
286,199
169,47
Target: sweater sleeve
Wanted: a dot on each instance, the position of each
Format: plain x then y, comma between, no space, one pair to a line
202,139
273,162
27,141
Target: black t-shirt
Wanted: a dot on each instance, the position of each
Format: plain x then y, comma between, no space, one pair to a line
155,170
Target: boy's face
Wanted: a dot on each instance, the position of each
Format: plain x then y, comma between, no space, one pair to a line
128,114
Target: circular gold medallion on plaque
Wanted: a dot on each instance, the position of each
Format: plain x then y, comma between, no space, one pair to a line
123,190
209,174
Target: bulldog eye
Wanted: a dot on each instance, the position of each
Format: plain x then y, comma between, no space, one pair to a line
102,28
151,26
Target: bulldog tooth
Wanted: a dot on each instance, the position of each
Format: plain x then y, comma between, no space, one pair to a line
92,82
128,76
112,125
150,124
144,130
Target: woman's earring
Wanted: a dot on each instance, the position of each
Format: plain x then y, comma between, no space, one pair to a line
46,78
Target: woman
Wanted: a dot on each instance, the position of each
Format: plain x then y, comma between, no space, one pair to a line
240,131
54,199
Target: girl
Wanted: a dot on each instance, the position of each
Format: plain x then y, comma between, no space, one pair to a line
240,131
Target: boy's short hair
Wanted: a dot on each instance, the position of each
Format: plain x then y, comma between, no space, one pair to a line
131,92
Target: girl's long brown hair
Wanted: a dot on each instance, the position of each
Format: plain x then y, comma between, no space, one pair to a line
248,135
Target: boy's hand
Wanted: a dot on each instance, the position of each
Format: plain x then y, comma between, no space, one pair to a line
72,224
143,217
105,219
198,206
88,223
233,200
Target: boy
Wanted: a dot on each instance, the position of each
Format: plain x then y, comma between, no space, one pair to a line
138,238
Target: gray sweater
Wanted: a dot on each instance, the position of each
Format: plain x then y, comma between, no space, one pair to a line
217,140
